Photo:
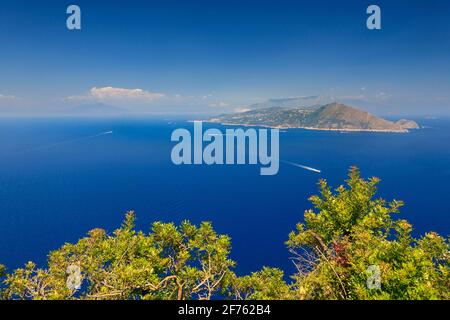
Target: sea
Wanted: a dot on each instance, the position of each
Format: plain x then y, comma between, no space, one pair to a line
61,177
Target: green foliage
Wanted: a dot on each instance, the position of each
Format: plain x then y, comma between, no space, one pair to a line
348,231
185,262
2,274
267,284
347,235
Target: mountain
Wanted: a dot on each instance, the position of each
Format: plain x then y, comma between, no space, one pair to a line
408,124
295,102
333,116
96,109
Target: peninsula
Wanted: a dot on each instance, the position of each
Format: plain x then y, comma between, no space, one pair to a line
333,116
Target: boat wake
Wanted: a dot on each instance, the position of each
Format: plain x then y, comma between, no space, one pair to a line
64,142
302,166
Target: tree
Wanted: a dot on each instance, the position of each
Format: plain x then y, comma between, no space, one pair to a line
349,234
267,284
184,262
2,275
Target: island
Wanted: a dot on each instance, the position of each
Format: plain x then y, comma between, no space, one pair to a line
332,116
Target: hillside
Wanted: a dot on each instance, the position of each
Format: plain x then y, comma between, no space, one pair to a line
332,116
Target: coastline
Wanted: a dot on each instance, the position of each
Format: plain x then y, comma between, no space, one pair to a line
306,128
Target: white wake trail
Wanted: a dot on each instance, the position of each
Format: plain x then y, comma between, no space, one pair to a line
48,146
302,166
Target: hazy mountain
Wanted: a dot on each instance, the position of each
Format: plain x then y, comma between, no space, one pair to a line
96,109
295,102
332,116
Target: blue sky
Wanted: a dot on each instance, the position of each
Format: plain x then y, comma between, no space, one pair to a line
213,56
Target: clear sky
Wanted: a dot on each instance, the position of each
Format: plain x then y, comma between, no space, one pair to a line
213,56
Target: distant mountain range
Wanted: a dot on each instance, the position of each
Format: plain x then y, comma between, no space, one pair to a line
96,109
306,102
332,116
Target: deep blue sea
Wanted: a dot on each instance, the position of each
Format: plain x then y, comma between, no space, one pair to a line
59,179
